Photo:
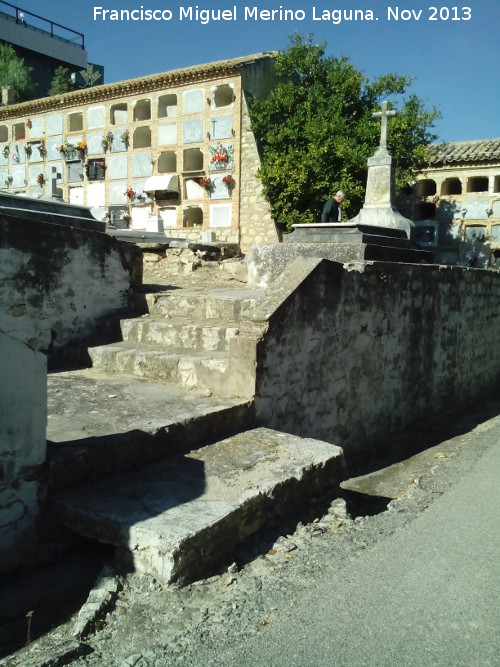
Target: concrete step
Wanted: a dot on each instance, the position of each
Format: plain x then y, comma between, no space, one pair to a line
101,423
220,304
212,335
190,369
177,519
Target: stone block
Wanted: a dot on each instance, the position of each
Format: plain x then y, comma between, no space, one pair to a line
118,166
194,101
96,117
54,125
178,518
167,134
192,130
221,127
141,164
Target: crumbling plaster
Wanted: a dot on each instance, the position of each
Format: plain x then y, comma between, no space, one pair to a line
55,281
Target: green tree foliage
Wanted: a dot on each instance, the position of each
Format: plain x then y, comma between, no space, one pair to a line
15,74
315,132
61,83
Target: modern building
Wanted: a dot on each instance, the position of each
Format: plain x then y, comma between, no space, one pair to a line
43,44
456,203
170,151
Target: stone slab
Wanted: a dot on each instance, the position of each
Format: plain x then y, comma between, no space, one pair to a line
347,232
99,424
266,263
177,519
54,212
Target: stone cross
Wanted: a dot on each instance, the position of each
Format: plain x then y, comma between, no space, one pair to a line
384,115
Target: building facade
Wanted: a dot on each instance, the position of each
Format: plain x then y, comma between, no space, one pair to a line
44,45
171,151
456,203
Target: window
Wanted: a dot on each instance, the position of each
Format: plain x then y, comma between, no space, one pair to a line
142,137
167,162
477,184
495,233
4,133
193,217
425,211
451,186
167,106
426,187
193,159
222,96
18,132
75,122
142,110
475,233
118,114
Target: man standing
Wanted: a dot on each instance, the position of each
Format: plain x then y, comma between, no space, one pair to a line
331,210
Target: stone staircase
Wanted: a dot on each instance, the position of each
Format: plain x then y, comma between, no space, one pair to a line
164,459
190,339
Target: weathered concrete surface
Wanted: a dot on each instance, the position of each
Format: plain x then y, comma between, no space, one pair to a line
23,421
99,424
178,518
200,339
56,282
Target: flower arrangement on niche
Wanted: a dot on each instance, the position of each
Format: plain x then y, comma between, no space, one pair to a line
220,156
6,151
206,184
228,182
81,147
66,148
29,123
107,140
125,138
130,192
40,179
126,217
28,150
42,150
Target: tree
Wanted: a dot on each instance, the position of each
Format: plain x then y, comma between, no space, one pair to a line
15,74
315,132
61,83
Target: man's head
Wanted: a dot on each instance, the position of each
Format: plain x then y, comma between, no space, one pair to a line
339,196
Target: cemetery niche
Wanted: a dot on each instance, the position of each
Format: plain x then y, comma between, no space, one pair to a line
96,170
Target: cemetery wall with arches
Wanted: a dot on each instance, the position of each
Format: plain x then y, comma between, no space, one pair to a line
171,151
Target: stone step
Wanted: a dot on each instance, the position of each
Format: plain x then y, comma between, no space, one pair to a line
189,369
104,423
179,518
221,304
212,335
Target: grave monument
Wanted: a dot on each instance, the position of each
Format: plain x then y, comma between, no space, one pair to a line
379,231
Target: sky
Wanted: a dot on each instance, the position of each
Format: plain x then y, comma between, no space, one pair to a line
450,49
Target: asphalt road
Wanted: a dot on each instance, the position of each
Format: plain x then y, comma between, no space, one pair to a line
427,595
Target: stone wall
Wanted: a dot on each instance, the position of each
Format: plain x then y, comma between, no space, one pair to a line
256,223
23,424
55,281
360,351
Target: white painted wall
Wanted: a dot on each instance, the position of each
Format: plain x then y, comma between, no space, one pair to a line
23,425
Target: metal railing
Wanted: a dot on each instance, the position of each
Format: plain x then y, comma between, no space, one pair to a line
40,24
